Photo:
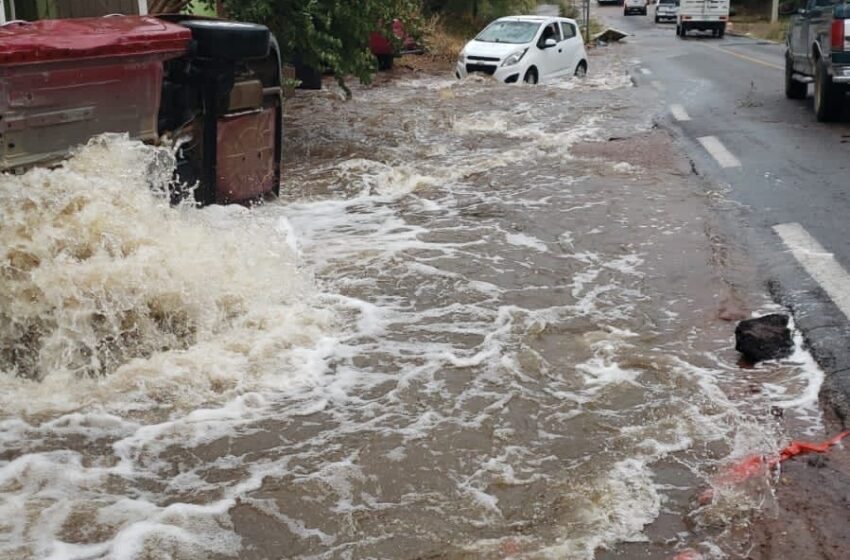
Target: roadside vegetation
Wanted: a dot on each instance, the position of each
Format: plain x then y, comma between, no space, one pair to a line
761,28
752,17
334,34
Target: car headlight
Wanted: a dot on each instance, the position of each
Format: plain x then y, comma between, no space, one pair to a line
461,59
514,58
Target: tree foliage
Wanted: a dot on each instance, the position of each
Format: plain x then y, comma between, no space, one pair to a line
329,34
334,34
479,11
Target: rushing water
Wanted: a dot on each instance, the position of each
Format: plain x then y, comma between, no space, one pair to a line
455,336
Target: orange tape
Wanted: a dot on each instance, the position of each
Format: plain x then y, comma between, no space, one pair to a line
755,463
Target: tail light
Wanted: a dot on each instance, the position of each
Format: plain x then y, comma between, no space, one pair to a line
837,35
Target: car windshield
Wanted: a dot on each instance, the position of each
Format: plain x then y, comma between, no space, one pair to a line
509,32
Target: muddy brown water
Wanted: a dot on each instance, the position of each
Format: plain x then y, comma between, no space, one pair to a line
483,321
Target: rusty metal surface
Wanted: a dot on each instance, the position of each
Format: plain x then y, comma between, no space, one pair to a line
245,148
48,109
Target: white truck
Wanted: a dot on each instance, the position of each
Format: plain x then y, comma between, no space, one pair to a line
702,15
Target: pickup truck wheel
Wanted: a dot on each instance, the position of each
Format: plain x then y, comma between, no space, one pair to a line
721,31
229,40
827,95
793,88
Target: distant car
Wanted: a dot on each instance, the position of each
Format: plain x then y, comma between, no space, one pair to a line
611,2
632,6
384,49
530,49
666,10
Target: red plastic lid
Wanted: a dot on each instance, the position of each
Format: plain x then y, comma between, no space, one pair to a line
62,39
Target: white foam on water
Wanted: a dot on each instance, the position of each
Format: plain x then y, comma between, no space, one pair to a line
525,240
375,315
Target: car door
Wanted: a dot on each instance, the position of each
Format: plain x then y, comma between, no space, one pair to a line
571,44
549,59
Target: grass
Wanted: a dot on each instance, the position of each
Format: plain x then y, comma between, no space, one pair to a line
443,43
762,29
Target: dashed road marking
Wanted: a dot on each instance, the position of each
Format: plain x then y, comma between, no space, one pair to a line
719,152
658,85
679,113
820,264
646,71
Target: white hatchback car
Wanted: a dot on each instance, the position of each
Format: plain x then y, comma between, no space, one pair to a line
531,49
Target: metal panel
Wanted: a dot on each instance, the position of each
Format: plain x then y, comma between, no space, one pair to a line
245,166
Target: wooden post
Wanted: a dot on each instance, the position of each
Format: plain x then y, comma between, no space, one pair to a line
774,11
143,7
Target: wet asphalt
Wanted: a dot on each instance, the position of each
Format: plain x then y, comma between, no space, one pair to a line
793,169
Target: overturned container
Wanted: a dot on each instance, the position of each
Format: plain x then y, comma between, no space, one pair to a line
211,86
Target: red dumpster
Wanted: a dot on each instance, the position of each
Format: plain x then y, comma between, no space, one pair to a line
64,81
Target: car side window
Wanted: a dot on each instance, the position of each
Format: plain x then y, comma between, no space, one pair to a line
569,30
552,31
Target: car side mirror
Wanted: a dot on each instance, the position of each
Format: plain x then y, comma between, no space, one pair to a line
549,43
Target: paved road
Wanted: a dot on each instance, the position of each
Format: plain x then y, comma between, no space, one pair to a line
791,174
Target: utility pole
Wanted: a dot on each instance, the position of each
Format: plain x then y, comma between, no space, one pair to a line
587,20
2,12
774,11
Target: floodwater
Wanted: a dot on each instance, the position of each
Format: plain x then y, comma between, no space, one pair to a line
483,321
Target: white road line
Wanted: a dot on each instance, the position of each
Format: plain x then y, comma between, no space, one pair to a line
658,85
679,113
719,152
820,264
646,71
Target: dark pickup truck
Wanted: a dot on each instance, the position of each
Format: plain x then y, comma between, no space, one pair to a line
819,52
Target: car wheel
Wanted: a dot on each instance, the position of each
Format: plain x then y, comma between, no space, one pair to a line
656,19
530,76
581,70
827,95
385,61
793,88
229,40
